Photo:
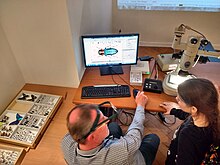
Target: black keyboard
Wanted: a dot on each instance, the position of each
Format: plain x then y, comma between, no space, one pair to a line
103,91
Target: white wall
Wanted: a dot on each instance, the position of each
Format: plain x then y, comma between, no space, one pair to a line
88,17
11,78
75,9
40,41
97,17
39,35
156,27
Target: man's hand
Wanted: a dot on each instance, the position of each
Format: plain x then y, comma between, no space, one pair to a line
168,106
141,99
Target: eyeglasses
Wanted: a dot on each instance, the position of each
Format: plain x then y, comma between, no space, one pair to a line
96,124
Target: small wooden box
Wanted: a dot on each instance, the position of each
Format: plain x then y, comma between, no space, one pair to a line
11,155
26,118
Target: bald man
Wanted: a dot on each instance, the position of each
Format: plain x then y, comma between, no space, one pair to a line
91,140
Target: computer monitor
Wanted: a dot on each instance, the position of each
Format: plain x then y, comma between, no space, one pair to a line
109,52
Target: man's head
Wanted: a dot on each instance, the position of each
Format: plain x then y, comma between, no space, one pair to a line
83,123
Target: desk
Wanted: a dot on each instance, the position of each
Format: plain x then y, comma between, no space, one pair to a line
92,77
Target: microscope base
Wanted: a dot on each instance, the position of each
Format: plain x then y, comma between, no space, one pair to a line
171,82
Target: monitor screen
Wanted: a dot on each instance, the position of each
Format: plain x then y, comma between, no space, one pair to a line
110,50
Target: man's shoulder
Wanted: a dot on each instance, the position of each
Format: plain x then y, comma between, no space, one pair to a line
67,141
68,146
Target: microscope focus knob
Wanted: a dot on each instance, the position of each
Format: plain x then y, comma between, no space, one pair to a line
193,40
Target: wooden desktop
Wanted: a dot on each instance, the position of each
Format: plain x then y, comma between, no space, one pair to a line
92,77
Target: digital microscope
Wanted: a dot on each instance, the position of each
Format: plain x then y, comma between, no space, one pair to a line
192,50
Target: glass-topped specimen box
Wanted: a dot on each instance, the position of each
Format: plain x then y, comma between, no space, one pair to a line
27,117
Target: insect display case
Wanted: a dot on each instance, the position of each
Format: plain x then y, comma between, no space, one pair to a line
25,120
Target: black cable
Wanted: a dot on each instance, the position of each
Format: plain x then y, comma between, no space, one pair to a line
153,68
131,115
114,80
189,28
160,116
126,82
121,79
128,116
152,113
164,121
156,76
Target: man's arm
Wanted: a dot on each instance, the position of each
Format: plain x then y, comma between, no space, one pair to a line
133,137
138,120
139,117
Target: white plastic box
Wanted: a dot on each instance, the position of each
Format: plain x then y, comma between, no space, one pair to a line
136,78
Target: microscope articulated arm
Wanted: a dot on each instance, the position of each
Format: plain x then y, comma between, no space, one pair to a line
208,53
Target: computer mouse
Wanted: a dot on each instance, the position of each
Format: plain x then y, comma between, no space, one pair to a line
135,91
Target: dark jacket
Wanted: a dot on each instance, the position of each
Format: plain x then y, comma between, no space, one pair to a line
189,143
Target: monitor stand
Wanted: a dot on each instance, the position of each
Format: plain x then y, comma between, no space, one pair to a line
110,70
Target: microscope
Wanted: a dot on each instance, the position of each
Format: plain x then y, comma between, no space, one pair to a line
192,50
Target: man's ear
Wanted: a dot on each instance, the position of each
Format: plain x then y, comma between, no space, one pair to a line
193,110
90,137
93,138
